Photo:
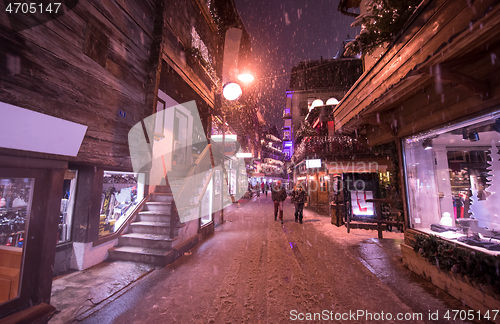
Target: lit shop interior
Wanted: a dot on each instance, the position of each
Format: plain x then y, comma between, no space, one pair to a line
121,191
15,204
453,182
348,184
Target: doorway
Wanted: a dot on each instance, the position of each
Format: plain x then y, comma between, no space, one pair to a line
180,138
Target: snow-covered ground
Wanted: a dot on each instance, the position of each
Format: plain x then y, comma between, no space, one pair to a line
255,270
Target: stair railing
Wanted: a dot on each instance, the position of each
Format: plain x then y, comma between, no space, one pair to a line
205,186
192,181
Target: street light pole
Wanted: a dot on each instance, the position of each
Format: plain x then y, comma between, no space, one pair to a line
224,173
224,134
230,91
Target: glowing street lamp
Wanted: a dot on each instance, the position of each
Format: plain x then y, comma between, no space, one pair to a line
231,91
315,103
332,101
245,77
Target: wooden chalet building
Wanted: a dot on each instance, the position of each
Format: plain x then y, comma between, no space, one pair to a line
435,93
315,89
73,87
340,169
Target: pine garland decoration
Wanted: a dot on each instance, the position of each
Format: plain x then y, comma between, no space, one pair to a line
478,267
382,22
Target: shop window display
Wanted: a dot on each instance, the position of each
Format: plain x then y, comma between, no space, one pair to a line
242,183
121,192
67,204
232,180
207,204
453,181
15,204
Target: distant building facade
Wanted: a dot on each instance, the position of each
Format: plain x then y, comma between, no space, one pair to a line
314,85
317,83
269,166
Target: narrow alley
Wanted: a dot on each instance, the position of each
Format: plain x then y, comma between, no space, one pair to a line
255,270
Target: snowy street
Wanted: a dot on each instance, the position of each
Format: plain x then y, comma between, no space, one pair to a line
134,133
255,270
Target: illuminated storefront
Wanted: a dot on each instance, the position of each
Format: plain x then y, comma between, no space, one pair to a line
121,191
453,181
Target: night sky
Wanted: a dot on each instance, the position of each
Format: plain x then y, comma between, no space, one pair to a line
284,33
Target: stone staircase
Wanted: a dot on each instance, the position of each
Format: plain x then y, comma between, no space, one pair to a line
149,238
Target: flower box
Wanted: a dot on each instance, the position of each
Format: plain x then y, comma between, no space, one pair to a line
475,296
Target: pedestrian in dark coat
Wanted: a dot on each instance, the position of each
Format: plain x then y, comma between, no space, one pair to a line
299,198
278,196
266,188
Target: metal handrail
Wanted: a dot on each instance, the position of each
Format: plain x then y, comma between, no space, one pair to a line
198,169
198,203
205,186
196,166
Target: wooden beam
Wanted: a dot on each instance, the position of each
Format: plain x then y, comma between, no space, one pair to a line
428,106
462,62
436,114
206,15
387,127
480,36
414,46
378,136
35,314
477,87
419,79
402,187
155,62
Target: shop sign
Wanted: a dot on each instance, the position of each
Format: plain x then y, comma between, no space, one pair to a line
315,163
359,205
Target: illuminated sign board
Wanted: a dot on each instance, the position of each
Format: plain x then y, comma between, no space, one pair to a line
316,163
228,138
244,155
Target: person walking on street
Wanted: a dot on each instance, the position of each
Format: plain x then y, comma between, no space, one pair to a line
299,198
262,186
278,195
266,188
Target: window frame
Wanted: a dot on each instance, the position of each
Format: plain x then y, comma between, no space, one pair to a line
39,249
442,129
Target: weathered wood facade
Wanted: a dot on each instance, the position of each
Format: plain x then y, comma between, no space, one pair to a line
56,77
89,66
440,72
103,65
401,94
